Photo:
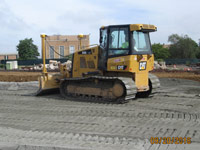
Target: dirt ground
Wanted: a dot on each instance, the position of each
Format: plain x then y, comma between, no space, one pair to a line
53,123
181,75
33,76
18,76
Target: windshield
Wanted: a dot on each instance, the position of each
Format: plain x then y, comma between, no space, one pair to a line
118,41
141,41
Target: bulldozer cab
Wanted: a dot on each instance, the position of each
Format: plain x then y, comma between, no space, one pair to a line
122,40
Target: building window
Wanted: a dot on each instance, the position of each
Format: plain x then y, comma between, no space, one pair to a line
51,52
71,49
62,49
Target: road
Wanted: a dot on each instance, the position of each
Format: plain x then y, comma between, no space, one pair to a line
50,122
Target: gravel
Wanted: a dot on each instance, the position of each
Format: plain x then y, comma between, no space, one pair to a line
51,122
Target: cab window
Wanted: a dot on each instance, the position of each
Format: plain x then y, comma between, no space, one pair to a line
103,41
118,41
141,41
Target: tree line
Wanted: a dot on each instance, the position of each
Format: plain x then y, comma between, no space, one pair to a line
181,47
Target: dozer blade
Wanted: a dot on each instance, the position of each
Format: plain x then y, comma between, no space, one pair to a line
48,84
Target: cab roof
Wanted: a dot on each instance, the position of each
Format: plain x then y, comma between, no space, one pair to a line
136,27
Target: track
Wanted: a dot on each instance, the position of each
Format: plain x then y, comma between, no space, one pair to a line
104,84
50,122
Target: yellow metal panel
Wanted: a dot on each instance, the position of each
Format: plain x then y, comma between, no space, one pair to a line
141,81
131,62
90,59
136,27
48,83
49,80
139,65
43,36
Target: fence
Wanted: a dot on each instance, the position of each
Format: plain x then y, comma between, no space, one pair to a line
39,61
182,61
33,61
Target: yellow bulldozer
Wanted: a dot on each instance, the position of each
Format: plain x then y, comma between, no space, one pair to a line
116,70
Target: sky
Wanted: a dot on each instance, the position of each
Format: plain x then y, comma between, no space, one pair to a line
20,19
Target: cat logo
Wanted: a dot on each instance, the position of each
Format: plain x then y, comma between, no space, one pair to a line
143,65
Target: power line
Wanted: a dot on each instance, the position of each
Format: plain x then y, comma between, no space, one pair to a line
67,55
54,50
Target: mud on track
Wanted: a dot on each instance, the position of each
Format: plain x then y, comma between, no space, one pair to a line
50,122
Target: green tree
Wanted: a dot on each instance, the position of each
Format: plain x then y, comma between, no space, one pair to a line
198,53
160,52
27,50
182,47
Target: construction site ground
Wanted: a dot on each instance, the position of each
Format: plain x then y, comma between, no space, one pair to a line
52,123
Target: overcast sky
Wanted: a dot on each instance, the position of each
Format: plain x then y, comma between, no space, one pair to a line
21,19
